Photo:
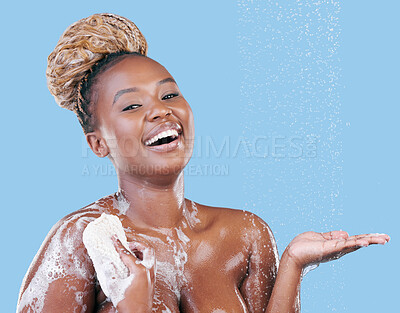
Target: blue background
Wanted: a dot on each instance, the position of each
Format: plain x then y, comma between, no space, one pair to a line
296,116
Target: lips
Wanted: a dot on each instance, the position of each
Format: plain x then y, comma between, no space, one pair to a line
163,136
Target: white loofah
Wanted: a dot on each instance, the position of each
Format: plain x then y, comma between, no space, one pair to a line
112,273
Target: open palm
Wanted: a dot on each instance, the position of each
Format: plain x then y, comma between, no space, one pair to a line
311,247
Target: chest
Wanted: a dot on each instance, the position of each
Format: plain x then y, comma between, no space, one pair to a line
197,274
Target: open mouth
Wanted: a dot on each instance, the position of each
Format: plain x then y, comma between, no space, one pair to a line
163,138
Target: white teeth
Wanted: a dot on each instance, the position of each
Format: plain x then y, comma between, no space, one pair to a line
164,134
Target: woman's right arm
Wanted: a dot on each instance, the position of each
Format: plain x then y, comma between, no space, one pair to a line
61,277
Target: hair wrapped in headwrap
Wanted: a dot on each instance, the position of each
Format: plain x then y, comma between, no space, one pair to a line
81,47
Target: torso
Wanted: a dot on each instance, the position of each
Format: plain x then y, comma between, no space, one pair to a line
200,264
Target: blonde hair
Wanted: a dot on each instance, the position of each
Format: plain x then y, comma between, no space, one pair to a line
81,47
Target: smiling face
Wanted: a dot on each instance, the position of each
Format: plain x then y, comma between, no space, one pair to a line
143,123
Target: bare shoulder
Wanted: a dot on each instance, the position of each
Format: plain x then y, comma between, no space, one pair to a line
66,234
71,227
62,263
241,223
235,218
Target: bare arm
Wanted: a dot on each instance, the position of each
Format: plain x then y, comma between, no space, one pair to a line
257,287
310,248
286,291
61,276
267,289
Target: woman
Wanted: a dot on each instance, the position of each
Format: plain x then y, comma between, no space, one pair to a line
207,259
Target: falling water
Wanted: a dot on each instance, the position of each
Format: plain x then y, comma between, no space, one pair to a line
290,94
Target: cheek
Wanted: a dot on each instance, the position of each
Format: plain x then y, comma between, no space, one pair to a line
126,139
188,120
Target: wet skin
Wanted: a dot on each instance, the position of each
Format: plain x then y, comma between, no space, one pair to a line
220,241
215,276
209,259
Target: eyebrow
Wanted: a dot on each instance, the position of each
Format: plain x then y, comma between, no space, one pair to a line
121,92
134,89
167,80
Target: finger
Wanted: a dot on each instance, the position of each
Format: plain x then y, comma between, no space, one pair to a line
387,237
367,239
146,257
373,240
377,235
126,256
149,257
144,251
336,248
137,248
363,241
119,246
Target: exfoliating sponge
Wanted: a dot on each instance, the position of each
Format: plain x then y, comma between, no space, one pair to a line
112,273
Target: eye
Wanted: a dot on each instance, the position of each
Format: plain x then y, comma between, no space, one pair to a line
170,96
132,107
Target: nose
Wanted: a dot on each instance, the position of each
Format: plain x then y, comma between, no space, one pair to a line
158,110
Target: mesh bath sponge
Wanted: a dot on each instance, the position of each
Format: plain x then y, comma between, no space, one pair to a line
112,273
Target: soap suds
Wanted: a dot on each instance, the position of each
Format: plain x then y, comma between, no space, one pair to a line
308,269
60,257
191,215
58,261
112,273
122,202
171,271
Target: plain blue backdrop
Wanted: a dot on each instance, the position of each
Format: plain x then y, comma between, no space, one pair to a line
296,109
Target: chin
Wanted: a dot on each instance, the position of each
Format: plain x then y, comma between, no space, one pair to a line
162,168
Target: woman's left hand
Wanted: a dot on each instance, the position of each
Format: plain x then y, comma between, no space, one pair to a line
312,248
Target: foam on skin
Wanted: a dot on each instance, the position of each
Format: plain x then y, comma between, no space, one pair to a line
112,273
58,260
60,257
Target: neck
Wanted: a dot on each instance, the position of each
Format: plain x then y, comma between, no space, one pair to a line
153,205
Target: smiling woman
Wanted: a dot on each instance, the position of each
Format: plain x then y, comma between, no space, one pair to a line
205,259
141,117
